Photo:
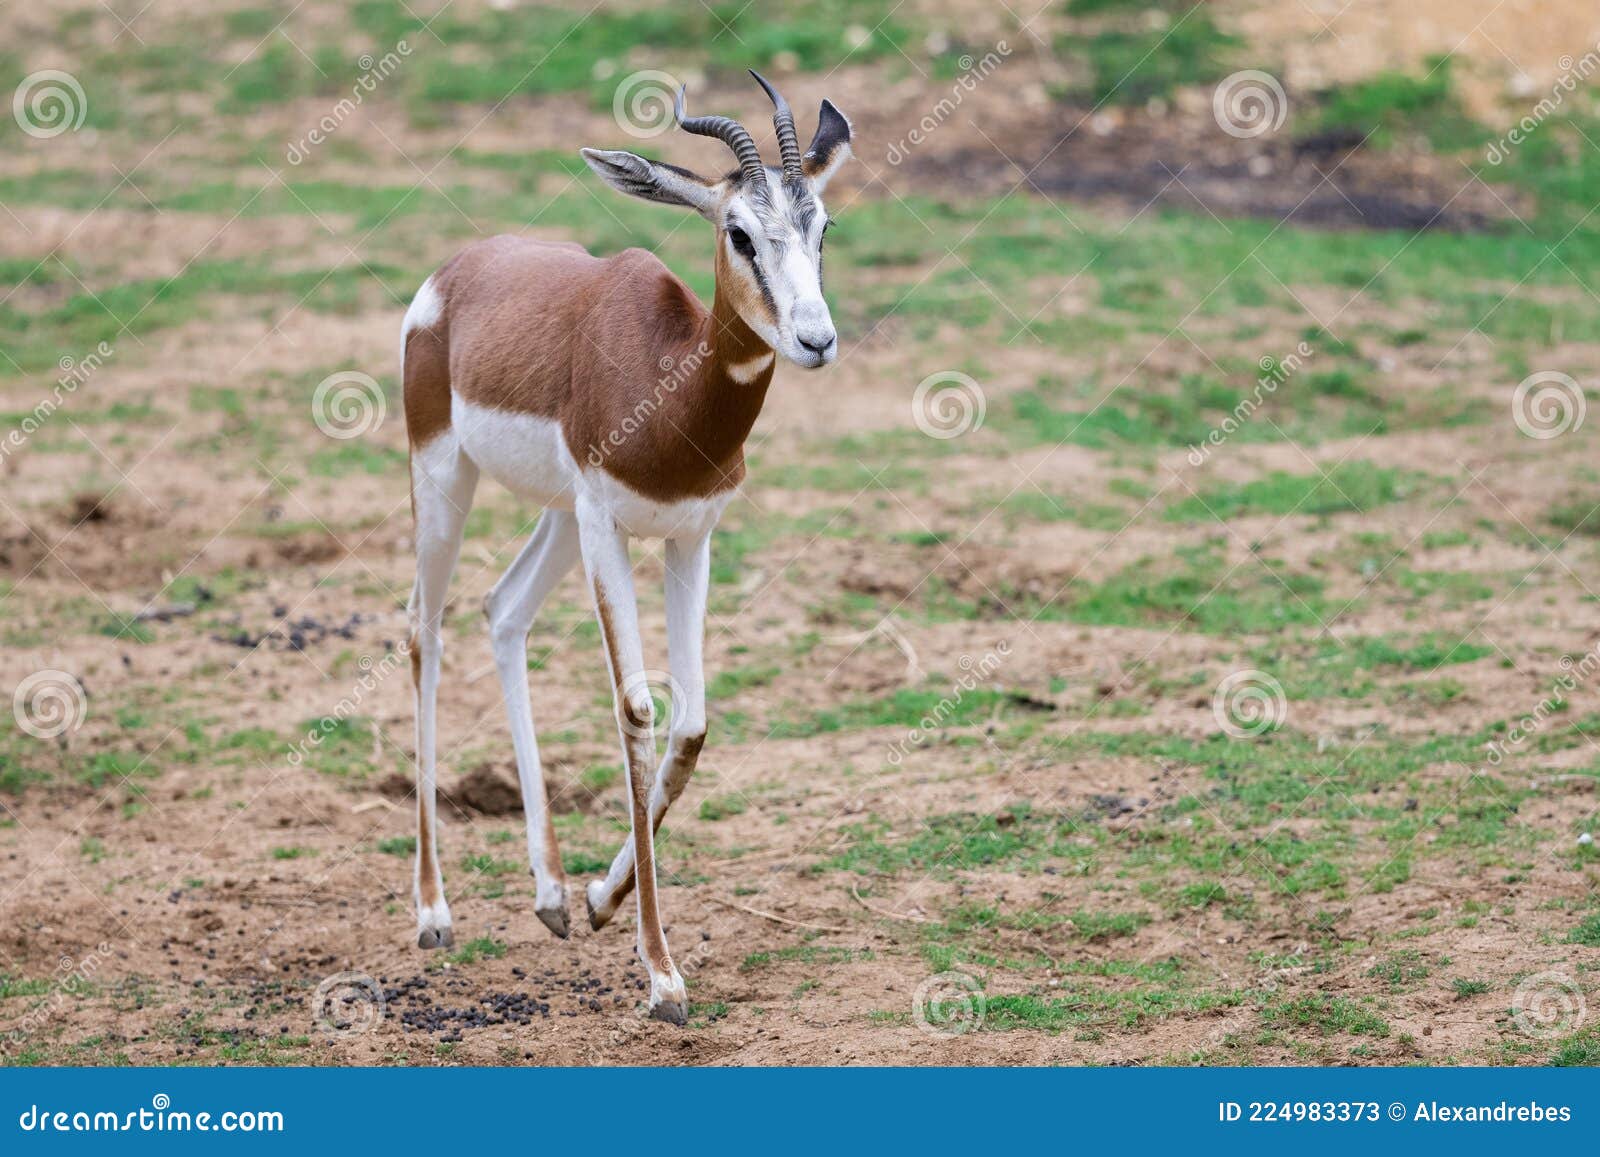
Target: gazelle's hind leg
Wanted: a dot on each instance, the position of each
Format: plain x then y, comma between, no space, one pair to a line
442,483
605,558
688,578
511,606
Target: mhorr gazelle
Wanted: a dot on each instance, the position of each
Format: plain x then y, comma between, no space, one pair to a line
603,390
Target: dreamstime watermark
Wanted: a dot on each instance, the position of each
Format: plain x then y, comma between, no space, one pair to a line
948,404
75,372
348,1004
373,675
643,103
1548,404
974,672
1249,104
676,372
1574,674
72,980
1572,72
49,103
973,73
950,1004
1248,704
50,703
373,73
348,404
1548,1004
1274,373
661,693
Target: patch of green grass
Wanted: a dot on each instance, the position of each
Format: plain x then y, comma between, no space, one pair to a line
483,947
398,845
1135,61
1015,839
1327,1014
912,708
805,954
1401,970
1587,932
1390,104
1349,487
721,807
1582,1048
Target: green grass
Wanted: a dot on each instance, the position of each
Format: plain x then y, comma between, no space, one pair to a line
1327,1014
1135,61
1016,839
1350,487
1390,104
482,948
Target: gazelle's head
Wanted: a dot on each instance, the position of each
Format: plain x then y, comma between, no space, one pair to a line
769,221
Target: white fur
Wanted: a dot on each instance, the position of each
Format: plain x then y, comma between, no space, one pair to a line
529,456
746,372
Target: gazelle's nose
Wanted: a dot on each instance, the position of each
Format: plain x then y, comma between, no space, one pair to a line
813,327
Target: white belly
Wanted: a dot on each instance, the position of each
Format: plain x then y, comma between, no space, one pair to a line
528,456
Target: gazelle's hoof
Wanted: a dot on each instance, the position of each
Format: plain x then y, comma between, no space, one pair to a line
433,926
599,916
672,1011
669,1001
556,920
435,937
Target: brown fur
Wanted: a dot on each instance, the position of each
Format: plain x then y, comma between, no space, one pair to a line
547,329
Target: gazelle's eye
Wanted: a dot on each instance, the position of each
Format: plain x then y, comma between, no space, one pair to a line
740,240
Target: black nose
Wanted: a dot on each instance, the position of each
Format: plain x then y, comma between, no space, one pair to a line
818,348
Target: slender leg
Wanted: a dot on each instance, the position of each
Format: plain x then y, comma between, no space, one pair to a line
688,578
442,483
605,557
511,606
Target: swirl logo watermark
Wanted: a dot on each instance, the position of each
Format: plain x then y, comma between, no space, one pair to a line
348,1004
950,1004
948,404
348,404
49,103
1249,104
642,104
648,696
1248,704
1548,404
50,703
1548,1004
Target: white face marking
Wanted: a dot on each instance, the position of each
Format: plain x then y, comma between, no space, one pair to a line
746,372
776,248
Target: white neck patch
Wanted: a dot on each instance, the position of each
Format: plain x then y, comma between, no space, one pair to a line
746,372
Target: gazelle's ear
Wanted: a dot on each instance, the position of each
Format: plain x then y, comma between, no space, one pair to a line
654,180
829,148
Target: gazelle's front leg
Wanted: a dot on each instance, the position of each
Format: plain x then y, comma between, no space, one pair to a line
605,557
688,580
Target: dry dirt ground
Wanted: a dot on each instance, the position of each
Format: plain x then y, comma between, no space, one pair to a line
976,791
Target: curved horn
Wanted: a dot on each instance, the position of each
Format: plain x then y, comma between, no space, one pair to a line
729,132
783,122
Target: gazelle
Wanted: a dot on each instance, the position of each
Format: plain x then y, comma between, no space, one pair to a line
544,367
